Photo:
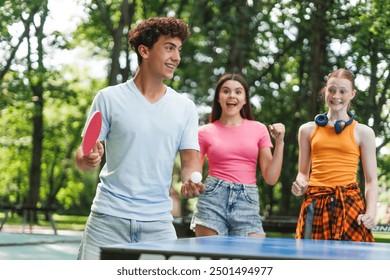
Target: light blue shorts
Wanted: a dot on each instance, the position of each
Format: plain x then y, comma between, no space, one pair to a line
229,208
104,230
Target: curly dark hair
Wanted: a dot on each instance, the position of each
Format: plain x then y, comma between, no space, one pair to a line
149,31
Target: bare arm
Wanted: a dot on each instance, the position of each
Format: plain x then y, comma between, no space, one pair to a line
190,162
90,162
299,186
271,165
365,139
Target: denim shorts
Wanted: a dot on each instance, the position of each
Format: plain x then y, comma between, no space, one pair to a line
228,208
104,230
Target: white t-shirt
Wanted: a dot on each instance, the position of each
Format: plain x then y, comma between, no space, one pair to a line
141,143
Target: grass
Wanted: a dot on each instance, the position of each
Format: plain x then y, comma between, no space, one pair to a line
68,222
383,237
63,222
280,234
71,222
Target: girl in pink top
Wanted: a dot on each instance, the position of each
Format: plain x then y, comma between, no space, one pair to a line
234,143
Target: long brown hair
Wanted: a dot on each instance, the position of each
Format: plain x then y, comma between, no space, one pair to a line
216,109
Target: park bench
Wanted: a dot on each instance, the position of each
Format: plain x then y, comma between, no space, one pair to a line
284,224
28,213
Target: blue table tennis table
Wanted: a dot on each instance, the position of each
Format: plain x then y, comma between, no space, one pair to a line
227,247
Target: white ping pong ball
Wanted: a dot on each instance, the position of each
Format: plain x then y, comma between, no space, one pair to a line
196,177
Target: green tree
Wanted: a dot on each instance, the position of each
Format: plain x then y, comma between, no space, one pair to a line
283,48
33,18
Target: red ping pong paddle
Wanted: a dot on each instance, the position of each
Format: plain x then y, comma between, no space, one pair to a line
92,132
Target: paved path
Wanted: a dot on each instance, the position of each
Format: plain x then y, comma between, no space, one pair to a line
41,244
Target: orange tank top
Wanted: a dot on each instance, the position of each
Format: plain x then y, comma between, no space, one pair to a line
334,156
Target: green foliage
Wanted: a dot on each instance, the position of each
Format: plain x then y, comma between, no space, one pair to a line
283,48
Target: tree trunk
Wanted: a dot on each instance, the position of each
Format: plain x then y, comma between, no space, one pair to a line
318,53
36,85
35,168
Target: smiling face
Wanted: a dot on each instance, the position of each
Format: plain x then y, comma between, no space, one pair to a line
232,98
338,94
163,58
231,82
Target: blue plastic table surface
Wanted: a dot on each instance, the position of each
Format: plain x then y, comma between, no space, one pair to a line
217,247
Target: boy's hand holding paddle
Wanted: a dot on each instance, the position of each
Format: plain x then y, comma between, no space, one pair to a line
92,148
